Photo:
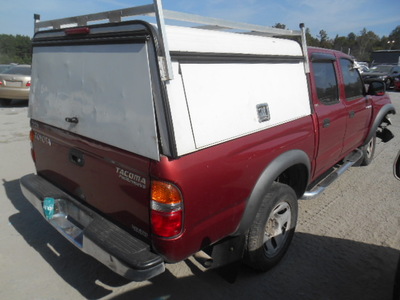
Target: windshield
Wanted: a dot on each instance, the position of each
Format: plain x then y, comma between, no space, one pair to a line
381,69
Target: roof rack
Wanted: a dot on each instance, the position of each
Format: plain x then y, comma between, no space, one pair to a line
156,10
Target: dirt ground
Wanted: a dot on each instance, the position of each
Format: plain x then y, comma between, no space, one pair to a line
346,245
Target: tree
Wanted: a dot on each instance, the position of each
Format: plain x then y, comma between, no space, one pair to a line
365,42
394,39
359,46
311,41
340,43
279,25
324,41
15,49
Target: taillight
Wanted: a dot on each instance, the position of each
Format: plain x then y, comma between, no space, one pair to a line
166,209
31,138
28,84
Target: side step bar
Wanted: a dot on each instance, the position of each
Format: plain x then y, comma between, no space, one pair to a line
349,161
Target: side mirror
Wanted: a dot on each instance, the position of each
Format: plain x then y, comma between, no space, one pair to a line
376,88
396,167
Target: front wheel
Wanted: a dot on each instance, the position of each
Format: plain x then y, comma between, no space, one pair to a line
368,151
272,231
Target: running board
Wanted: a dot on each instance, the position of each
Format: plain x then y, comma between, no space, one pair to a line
348,161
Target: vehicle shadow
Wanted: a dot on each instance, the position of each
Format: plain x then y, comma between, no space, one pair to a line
79,270
16,103
316,267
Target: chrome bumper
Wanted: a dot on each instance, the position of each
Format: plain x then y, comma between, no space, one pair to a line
90,232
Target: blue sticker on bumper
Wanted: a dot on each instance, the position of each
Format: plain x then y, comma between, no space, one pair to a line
48,207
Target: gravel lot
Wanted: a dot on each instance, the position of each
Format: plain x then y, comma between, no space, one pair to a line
346,246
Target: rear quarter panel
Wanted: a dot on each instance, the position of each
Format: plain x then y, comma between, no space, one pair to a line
216,183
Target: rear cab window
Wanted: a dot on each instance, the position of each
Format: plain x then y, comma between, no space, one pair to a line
326,82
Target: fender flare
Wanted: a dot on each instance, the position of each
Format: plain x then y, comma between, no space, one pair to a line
386,109
267,177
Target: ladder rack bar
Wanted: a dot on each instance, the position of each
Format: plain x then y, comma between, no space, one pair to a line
108,15
168,74
151,10
192,18
304,48
156,10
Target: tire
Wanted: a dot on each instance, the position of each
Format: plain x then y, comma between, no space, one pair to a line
273,228
368,151
5,102
388,83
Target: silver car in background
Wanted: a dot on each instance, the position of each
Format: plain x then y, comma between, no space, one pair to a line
15,83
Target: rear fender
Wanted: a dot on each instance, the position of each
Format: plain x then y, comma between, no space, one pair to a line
264,182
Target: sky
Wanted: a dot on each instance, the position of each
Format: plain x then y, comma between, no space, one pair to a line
336,17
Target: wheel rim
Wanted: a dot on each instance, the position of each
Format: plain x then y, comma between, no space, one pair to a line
276,229
370,148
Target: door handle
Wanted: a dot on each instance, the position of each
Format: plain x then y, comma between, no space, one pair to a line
326,123
73,120
76,157
352,114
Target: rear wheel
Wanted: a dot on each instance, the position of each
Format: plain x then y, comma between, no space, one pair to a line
5,102
272,231
368,151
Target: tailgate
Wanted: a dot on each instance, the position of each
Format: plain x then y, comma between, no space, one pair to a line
112,181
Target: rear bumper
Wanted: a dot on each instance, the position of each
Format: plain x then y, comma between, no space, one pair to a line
93,234
13,93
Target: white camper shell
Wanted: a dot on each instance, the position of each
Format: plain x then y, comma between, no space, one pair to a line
159,89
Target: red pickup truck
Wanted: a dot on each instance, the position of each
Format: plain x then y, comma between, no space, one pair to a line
153,143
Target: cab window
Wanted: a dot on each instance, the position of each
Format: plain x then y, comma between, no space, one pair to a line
326,82
353,85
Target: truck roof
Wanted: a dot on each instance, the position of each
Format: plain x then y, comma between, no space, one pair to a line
328,51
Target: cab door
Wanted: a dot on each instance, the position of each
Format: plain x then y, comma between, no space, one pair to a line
358,106
330,112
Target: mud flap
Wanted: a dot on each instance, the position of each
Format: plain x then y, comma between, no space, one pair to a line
225,257
385,135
